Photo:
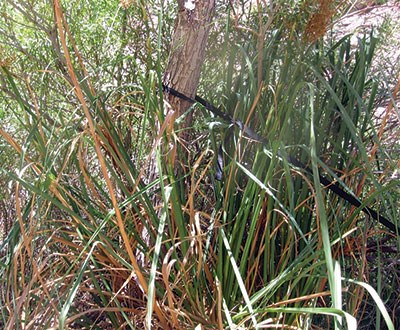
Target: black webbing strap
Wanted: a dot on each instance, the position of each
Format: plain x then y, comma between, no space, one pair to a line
333,186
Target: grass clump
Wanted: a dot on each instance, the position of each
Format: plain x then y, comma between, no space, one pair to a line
98,238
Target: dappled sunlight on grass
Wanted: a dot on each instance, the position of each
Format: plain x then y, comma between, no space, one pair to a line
106,233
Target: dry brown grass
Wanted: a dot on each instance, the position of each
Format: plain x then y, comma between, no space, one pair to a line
319,21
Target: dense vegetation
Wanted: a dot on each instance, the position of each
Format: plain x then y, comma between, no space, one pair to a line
92,233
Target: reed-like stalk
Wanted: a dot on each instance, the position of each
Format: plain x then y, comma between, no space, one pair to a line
99,237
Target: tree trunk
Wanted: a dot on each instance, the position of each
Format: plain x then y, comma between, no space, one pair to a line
187,51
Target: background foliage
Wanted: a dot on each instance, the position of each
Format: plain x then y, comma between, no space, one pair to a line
92,235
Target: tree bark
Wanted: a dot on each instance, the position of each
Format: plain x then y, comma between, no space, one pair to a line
187,51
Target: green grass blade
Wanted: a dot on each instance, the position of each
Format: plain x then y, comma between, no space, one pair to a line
377,299
75,287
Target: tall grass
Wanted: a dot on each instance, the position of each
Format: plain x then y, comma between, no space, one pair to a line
100,239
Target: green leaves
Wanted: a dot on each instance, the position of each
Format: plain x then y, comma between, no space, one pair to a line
105,234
